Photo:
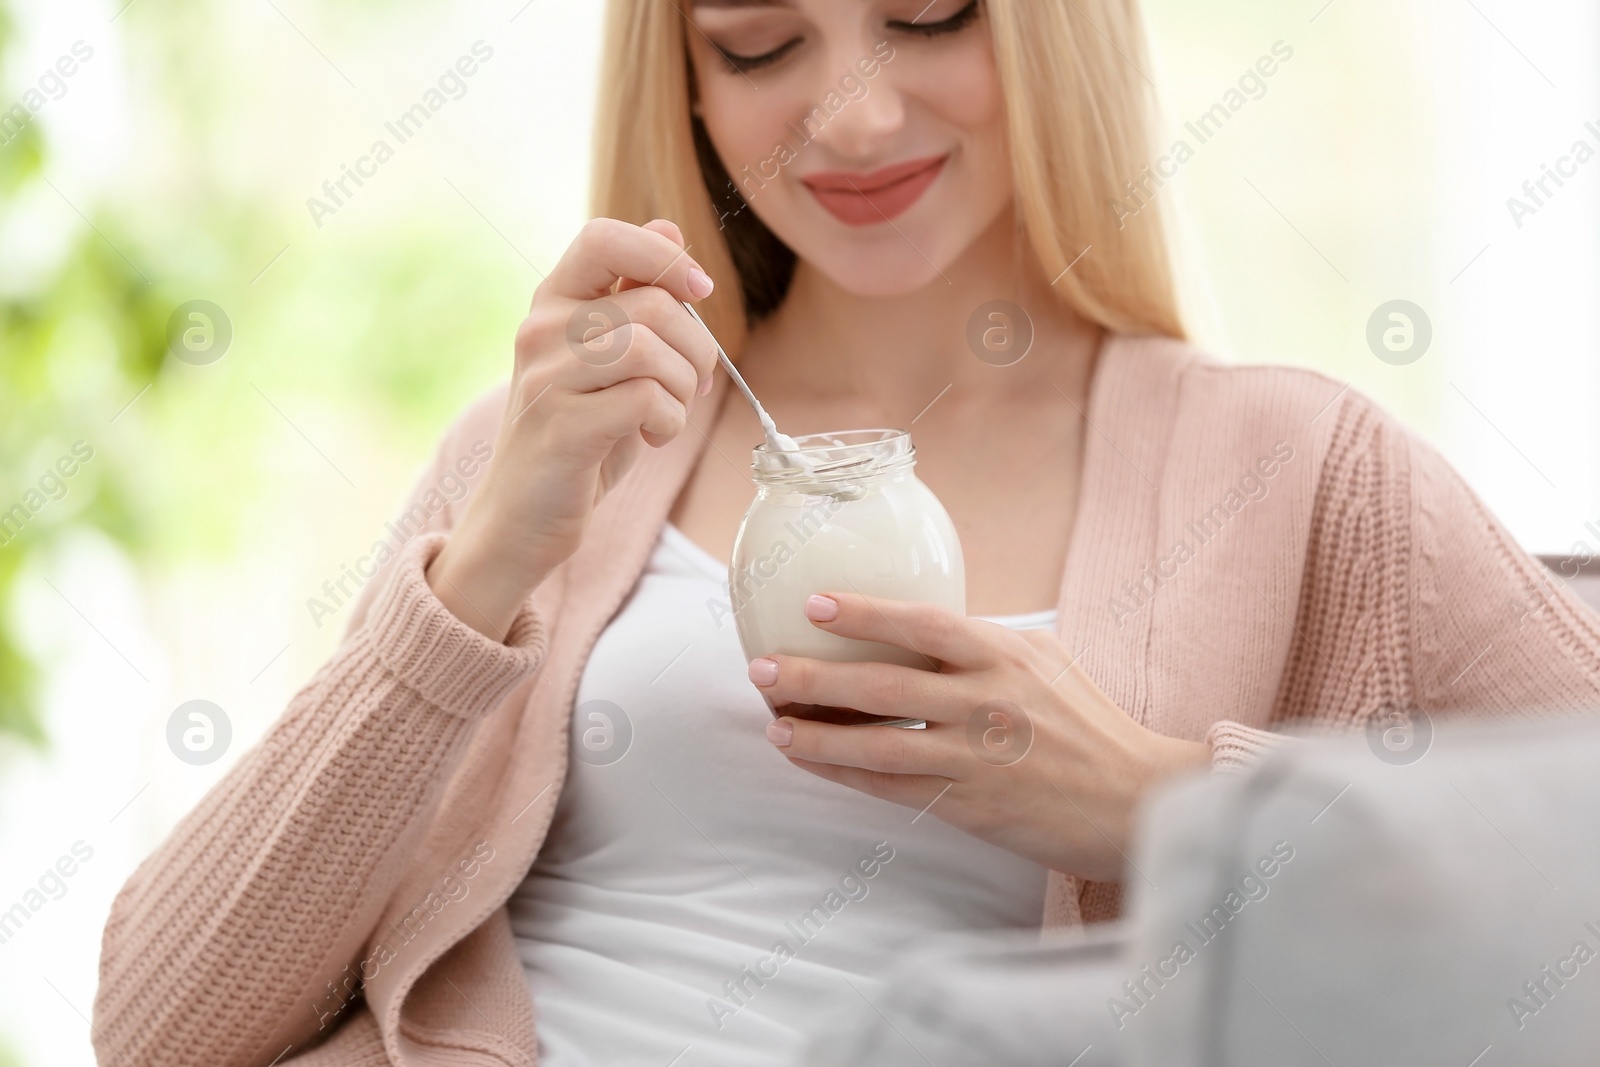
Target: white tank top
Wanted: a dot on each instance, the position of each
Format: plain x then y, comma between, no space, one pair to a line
699,900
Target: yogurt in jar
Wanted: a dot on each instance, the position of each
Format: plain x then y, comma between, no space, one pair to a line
850,516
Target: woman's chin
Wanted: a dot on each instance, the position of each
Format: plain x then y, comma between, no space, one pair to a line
879,275
917,250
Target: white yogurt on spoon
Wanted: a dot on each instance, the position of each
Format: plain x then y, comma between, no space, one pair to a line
781,443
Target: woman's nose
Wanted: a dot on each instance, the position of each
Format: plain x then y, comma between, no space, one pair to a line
855,115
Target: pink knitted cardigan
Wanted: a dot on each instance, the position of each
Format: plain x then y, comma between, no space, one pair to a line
1255,549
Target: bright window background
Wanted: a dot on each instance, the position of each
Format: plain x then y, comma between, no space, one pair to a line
1377,166
177,165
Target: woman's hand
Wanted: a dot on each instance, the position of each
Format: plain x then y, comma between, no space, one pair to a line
598,375
1021,749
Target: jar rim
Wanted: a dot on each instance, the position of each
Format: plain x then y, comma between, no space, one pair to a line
885,434
844,455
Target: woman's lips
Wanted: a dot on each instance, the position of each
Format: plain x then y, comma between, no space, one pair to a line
865,199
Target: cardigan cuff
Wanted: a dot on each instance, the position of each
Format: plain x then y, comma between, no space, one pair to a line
1236,747
450,664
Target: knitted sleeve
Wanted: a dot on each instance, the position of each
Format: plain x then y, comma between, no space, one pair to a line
1235,746
1493,630
1413,599
213,950
1416,599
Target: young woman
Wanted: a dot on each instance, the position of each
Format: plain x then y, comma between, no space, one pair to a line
429,860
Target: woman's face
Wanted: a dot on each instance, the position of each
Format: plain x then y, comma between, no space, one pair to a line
867,134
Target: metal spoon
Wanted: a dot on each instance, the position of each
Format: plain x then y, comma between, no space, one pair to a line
776,442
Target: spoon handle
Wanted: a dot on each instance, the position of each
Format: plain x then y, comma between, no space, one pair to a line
727,363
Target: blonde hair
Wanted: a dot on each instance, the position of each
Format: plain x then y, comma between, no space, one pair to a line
1080,117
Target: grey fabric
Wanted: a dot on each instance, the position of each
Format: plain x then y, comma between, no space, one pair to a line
1420,898
997,999
1437,905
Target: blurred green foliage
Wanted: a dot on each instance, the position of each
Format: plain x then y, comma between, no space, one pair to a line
40,408
381,331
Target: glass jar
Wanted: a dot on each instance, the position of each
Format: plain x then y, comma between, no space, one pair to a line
846,513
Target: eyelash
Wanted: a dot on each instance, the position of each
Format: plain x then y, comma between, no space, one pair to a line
954,24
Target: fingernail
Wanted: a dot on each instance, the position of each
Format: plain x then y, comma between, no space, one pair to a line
705,386
700,283
780,733
763,671
821,608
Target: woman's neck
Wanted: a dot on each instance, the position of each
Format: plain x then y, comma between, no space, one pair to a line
895,354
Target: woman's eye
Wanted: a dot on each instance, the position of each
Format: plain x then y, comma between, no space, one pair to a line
954,24
743,64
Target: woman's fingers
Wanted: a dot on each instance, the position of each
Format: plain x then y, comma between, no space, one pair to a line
666,228
883,749
886,689
604,327
607,251
597,421
928,629
635,352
